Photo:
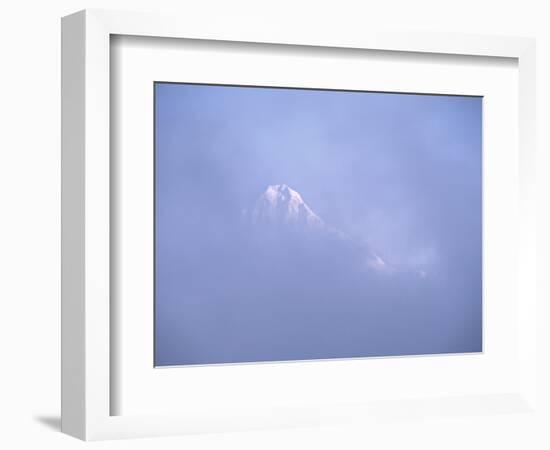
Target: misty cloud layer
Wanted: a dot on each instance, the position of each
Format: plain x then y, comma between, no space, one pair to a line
400,174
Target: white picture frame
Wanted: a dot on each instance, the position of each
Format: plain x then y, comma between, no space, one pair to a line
87,328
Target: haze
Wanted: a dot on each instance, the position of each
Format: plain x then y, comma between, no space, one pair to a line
396,173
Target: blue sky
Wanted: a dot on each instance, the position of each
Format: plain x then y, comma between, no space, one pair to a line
400,172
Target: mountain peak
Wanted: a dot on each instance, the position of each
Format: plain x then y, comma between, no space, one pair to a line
282,193
281,205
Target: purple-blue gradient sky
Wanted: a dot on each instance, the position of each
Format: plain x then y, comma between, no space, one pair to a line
400,172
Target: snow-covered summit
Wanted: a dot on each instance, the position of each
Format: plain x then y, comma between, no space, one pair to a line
282,207
279,204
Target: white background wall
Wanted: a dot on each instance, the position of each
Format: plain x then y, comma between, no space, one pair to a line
29,220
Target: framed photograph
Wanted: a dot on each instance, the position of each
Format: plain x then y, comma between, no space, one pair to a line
298,224
266,228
